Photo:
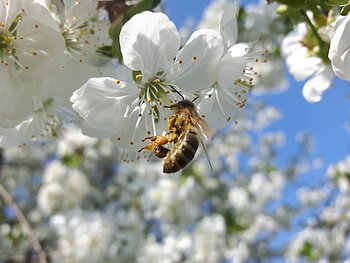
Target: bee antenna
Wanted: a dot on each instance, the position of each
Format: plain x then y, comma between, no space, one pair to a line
178,92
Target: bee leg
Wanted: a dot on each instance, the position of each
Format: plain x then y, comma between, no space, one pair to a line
141,149
161,151
156,141
151,138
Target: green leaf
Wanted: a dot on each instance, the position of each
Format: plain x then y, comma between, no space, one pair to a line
143,5
72,161
345,10
114,32
308,251
337,2
232,225
293,3
320,19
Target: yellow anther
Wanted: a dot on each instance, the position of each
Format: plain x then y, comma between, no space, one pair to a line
117,81
138,77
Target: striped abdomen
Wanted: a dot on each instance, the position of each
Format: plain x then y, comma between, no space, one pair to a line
182,153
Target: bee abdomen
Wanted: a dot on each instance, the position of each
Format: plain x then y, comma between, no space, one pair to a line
182,153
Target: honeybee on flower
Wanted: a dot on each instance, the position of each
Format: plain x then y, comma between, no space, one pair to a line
130,107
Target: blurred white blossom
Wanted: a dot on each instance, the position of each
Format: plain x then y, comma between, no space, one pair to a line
299,52
63,188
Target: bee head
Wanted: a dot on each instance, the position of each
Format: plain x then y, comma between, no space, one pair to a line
183,104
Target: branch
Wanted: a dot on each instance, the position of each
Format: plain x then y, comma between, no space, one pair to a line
24,224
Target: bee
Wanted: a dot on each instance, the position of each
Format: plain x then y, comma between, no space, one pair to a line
185,128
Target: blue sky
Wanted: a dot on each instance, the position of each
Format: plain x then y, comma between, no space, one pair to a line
325,120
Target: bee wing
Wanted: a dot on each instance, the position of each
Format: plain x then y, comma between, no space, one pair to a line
206,154
204,130
202,126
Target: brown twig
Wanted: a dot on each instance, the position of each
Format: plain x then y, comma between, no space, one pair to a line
4,194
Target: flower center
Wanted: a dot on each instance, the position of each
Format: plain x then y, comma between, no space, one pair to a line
6,41
73,36
7,36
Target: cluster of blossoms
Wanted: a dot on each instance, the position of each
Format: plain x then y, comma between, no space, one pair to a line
317,52
131,212
157,72
87,207
47,50
326,234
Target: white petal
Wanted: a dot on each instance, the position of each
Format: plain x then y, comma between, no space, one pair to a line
228,25
16,98
339,49
232,65
149,42
292,41
218,109
239,49
301,65
39,11
39,48
74,74
317,84
22,132
102,103
78,12
195,66
9,10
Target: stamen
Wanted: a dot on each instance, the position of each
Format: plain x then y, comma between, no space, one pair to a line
138,77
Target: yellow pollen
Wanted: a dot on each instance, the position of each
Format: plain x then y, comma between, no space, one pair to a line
138,77
117,81
156,81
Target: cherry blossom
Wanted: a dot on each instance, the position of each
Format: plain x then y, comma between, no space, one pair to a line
129,111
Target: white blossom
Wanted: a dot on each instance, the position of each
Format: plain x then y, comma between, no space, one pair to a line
235,71
63,188
339,48
29,50
133,110
84,237
304,64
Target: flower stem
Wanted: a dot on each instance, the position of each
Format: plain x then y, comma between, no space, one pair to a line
4,194
313,29
323,46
